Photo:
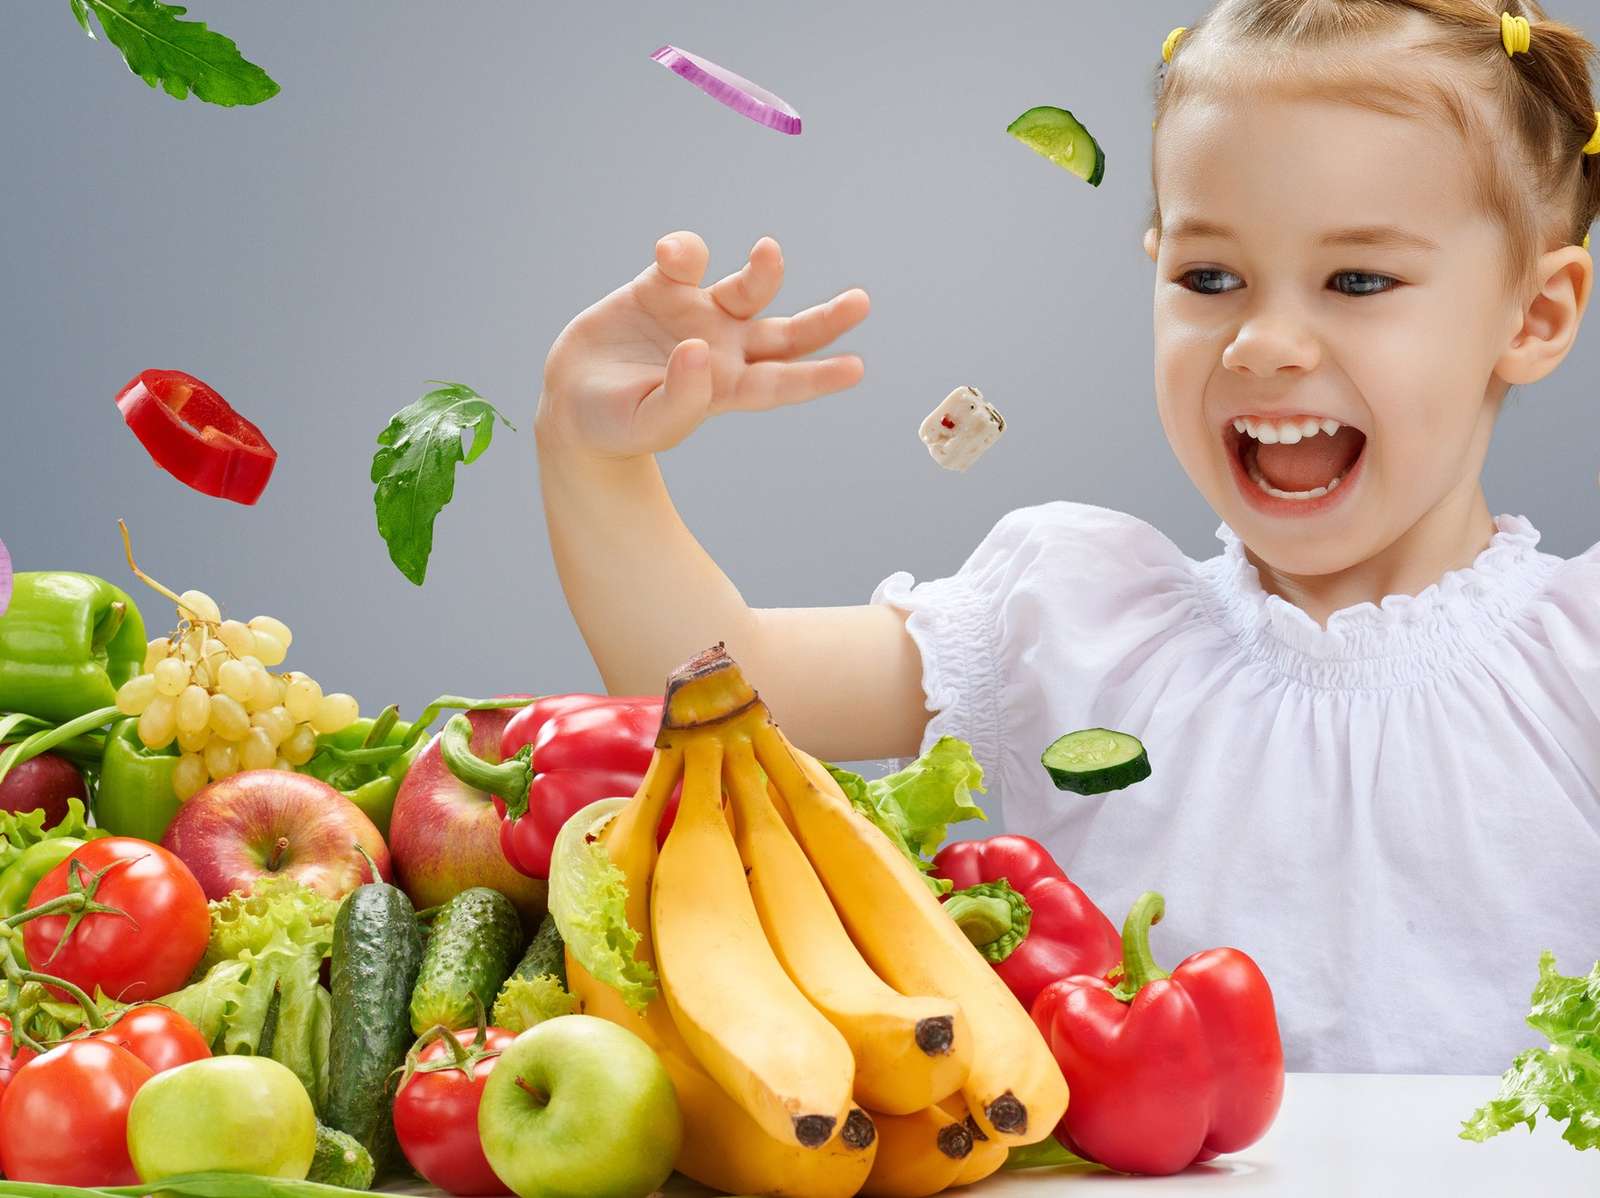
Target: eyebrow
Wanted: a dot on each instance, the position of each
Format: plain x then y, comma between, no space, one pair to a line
1367,236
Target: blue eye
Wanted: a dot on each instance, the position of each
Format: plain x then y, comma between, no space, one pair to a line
1360,283
1209,281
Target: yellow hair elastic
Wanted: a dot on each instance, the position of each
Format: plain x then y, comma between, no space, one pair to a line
1594,142
1171,44
1515,34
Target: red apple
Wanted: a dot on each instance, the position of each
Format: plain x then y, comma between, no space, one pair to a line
44,783
262,823
445,835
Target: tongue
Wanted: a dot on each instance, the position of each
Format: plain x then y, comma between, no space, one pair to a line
1310,463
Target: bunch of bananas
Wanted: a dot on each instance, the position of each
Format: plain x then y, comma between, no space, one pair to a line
829,1029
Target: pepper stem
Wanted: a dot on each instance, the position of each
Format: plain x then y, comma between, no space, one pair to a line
510,779
995,917
1139,966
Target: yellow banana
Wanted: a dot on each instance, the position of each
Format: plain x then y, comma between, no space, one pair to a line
1014,1088
918,1154
909,1052
723,1148
987,1154
745,1021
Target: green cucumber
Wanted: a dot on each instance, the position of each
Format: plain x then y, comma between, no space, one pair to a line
546,954
1061,137
1093,761
472,947
377,951
340,1160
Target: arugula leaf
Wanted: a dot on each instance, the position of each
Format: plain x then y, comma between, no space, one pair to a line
415,468
1564,1078
178,56
916,806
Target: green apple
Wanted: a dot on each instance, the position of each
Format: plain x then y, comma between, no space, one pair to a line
580,1108
226,1114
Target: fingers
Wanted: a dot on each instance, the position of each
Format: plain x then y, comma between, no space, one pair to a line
683,257
783,337
775,384
675,408
752,287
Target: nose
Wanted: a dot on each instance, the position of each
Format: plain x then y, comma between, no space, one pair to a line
1269,342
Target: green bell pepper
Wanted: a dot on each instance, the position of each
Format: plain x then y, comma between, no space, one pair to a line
19,878
135,797
67,642
372,780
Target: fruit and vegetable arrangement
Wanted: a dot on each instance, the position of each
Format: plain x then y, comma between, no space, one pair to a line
252,942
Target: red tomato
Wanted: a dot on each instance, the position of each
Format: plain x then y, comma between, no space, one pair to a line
436,1118
64,1119
161,1038
145,953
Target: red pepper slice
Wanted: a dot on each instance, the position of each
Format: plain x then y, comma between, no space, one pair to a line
195,436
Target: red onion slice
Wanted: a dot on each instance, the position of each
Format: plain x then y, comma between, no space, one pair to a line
737,92
5,579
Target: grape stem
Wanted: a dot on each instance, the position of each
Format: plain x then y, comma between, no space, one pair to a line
127,547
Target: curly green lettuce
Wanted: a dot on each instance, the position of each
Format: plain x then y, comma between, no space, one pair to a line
588,901
281,905
527,1002
1562,1080
915,807
22,829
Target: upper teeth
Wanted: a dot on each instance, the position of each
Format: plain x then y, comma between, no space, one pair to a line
1271,432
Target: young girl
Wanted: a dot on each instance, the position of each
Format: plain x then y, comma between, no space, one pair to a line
1374,718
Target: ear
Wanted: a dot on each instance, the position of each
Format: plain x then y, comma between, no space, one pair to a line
1550,322
1152,243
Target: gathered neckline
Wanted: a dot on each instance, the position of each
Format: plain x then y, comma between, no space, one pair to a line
1399,641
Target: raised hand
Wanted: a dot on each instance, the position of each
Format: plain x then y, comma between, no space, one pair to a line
638,371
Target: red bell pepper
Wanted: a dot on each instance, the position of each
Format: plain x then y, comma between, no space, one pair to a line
1166,1070
1024,914
558,755
194,435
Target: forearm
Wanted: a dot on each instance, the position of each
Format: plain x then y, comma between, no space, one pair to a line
645,594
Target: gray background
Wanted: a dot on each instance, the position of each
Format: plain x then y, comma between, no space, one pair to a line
438,189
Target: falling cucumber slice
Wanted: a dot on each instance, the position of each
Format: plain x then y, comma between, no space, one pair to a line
1093,761
1060,137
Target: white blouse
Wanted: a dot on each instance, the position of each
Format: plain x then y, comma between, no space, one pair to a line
1392,815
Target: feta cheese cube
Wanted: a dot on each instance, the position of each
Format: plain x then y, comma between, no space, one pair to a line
959,430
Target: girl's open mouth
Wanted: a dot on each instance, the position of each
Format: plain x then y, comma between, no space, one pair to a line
1294,466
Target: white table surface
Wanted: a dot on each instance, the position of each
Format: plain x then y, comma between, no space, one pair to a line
1343,1136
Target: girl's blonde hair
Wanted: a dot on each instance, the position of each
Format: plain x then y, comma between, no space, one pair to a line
1523,119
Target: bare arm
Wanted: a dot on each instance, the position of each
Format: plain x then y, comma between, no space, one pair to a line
625,380
845,682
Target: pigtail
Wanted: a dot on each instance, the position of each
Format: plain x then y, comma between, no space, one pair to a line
1558,108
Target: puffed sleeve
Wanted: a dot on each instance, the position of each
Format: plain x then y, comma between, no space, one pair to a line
1052,584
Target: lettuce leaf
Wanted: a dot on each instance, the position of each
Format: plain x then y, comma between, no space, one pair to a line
588,901
915,807
280,905
527,1002
266,1003
1563,1079
21,829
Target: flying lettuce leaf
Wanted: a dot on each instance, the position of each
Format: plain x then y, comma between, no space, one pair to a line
915,807
1562,1080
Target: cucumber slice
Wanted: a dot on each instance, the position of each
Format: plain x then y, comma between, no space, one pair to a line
1061,137
1095,760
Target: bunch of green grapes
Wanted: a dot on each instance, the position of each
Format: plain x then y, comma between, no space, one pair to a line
207,686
